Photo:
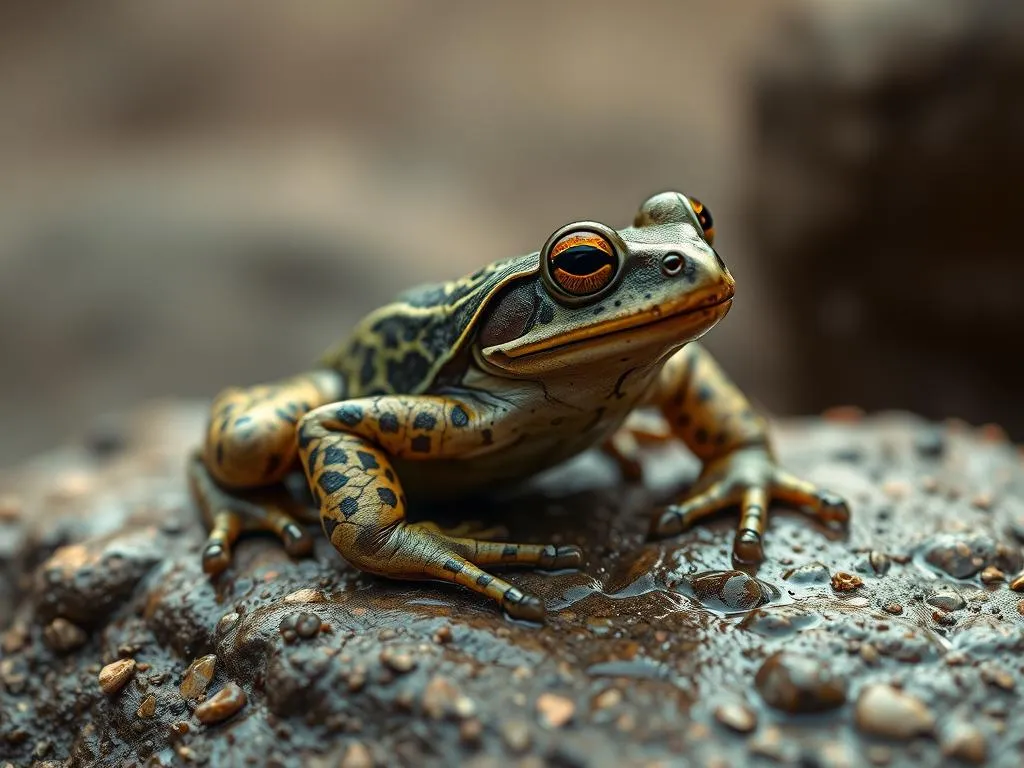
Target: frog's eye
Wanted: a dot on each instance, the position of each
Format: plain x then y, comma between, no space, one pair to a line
704,217
582,263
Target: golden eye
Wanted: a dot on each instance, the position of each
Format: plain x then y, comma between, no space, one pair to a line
582,263
706,222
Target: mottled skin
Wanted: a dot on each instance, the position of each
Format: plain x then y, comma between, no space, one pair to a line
488,380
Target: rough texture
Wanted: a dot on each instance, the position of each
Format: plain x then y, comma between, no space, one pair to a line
652,652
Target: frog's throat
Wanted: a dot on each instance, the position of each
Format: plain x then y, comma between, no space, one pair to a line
685,325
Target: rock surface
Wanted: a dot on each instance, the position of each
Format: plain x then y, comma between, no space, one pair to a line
651,652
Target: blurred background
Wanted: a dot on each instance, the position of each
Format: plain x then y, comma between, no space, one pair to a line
198,194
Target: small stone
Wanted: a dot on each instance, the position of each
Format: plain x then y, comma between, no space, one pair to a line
1020,607
997,676
965,743
516,735
357,756
894,608
895,489
470,731
844,414
983,501
809,573
198,677
607,699
879,754
555,711
301,624
794,684
930,443
10,509
13,676
846,582
226,622
439,697
946,600
882,710
992,575
14,639
737,717
398,662
222,705
443,635
869,654
63,636
1017,585
880,562
115,675
768,744
148,707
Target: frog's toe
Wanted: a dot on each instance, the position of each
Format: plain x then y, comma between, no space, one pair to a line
297,542
748,548
520,605
676,518
554,557
225,531
825,506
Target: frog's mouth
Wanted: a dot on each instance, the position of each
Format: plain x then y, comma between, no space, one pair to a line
684,324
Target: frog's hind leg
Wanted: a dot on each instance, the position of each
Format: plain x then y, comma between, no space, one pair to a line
228,514
346,451
250,448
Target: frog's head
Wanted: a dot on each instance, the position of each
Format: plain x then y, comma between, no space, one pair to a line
640,292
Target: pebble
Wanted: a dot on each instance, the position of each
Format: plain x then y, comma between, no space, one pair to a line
115,675
992,575
607,699
997,676
470,731
302,624
846,582
795,683
729,590
809,573
397,662
222,705
516,735
555,711
443,635
737,717
882,710
1020,607
357,756
894,608
442,698
880,562
966,743
946,600
10,509
147,708
198,677
63,636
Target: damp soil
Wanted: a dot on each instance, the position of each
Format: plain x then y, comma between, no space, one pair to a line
895,642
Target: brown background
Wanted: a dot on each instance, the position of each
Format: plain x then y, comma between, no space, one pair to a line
204,194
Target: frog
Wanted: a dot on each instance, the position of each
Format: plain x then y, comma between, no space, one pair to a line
485,382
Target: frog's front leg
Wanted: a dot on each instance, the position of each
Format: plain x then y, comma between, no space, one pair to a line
715,420
346,450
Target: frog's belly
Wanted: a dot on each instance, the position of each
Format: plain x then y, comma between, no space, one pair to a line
450,478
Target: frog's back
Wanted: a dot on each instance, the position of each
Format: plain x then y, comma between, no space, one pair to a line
401,347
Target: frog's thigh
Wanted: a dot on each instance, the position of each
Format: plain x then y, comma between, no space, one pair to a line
346,451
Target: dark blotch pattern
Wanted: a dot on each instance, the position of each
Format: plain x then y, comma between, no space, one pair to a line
387,496
460,418
388,423
425,421
350,415
421,444
332,481
368,460
349,506
333,455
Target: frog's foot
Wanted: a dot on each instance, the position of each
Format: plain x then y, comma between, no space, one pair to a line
228,516
750,480
1017,585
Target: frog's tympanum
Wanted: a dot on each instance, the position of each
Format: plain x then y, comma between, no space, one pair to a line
488,380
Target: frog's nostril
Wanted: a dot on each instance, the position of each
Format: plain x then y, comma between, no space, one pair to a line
672,264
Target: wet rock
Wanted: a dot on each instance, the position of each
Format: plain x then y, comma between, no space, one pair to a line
736,716
882,710
114,676
992,575
397,661
357,756
796,684
222,705
554,711
846,582
442,698
728,591
63,636
880,562
197,677
964,554
930,443
516,735
946,599
809,574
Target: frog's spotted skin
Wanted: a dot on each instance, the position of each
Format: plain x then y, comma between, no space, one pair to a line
488,380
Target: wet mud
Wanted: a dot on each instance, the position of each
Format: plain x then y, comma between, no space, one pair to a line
895,642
